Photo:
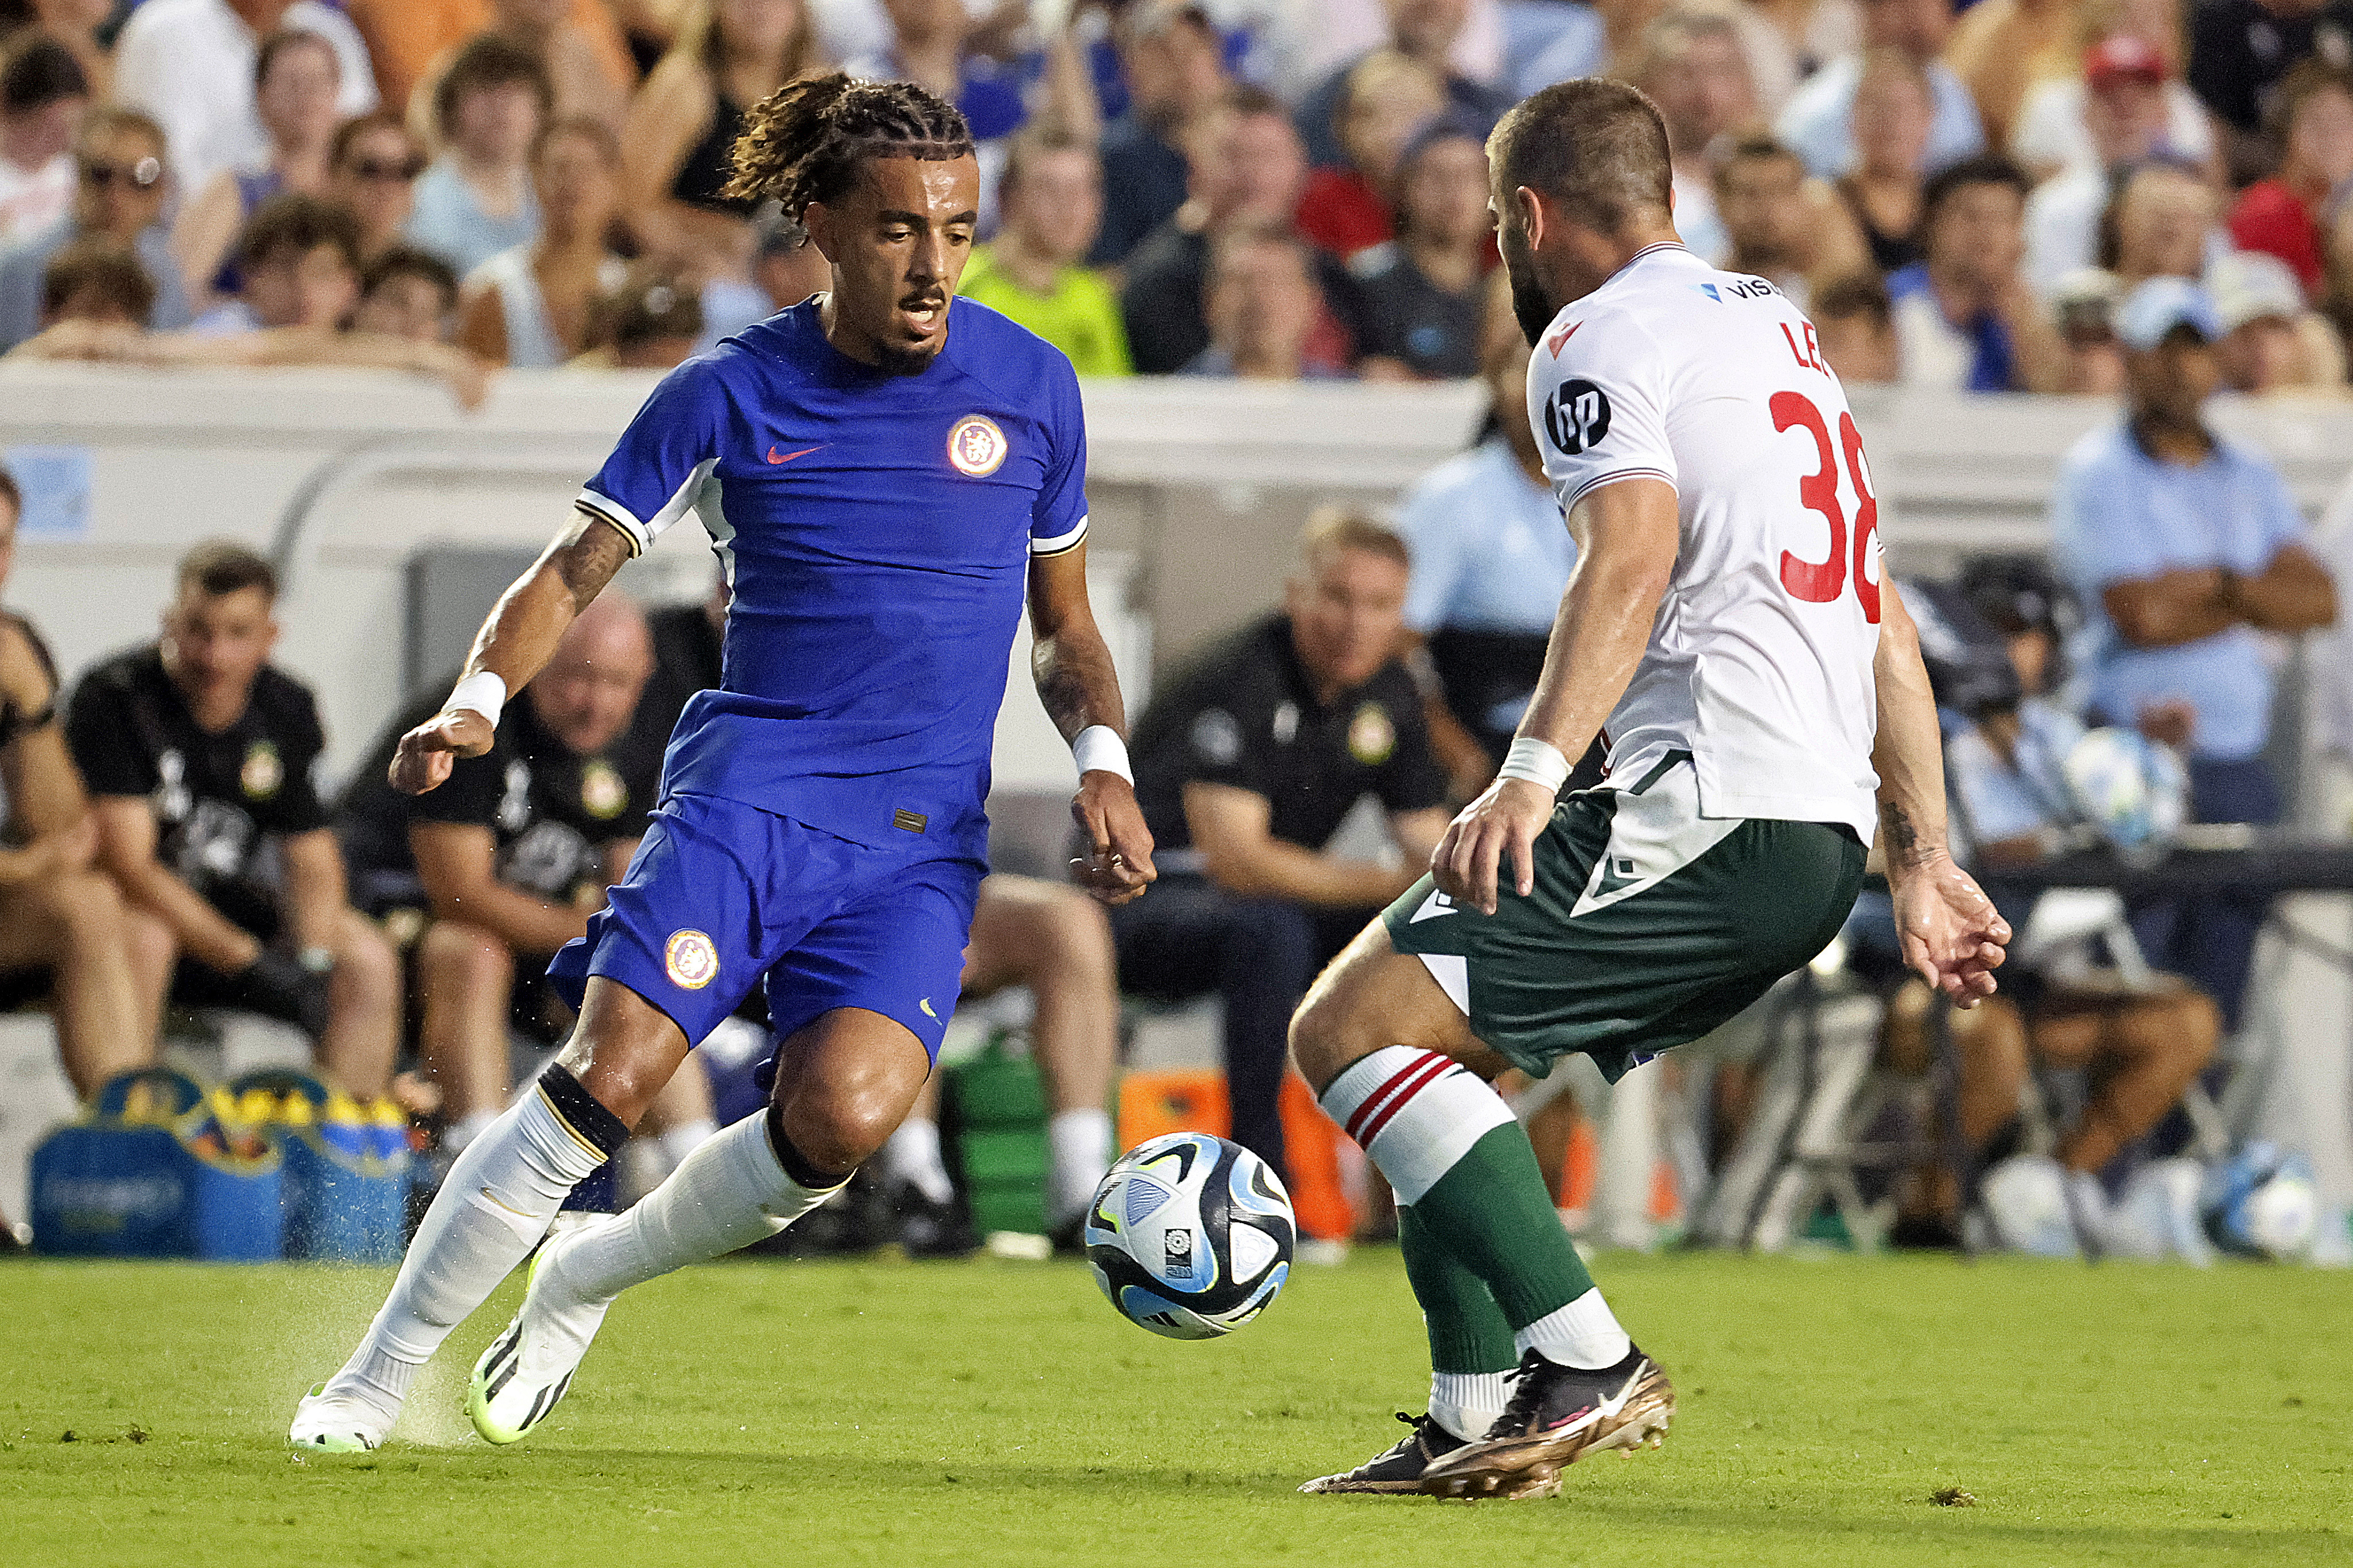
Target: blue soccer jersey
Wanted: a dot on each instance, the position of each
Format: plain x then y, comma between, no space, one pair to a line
876,531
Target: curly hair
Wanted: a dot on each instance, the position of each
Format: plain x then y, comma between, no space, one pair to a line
805,142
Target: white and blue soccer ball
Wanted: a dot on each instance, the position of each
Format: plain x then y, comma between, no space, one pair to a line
1190,1236
2260,1203
2133,790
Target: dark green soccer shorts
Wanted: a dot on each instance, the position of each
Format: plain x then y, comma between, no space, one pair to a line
1648,926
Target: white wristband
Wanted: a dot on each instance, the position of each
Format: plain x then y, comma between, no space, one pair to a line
480,692
1099,749
1537,762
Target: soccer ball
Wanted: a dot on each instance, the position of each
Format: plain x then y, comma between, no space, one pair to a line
2262,1203
1190,1236
2130,788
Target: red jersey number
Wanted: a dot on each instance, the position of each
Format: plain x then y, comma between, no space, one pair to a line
1821,582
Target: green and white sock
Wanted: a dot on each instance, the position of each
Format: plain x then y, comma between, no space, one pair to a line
1471,1344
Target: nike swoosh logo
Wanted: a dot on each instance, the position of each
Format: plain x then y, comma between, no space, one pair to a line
1433,906
774,456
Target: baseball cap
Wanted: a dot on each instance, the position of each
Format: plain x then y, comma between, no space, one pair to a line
2247,286
2162,304
2122,56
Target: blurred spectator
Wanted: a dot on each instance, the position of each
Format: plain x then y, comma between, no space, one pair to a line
1424,31
119,186
1999,47
2271,344
1491,560
1174,62
1893,109
475,199
1417,299
2142,1042
1247,759
2183,546
373,166
2159,224
1263,306
1779,224
1349,205
2132,57
581,40
1050,199
1817,121
298,263
2280,215
1798,39
407,293
64,931
1964,316
2123,111
1855,323
295,84
200,755
2083,309
650,322
1246,171
726,56
96,280
589,68
510,855
1693,67
788,270
189,63
43,97
2240,50
83,27
529,307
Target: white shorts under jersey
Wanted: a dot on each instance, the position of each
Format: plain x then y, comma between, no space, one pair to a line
1760,660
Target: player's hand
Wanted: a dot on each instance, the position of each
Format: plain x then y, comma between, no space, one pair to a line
427,752
1118,867
1503,822
1951,934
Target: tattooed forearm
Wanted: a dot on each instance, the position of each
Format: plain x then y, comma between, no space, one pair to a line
1076,682
1906,845
530,616
587,557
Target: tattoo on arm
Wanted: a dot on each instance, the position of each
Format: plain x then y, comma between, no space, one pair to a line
1904,845
1076,682
588,559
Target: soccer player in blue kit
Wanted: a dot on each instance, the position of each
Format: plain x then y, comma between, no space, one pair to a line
881,470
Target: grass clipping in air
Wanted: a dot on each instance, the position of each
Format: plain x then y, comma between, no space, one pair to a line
997,1412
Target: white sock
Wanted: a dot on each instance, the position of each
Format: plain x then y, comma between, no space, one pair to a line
1467,1403
1584,1333
912,1154
494,1208
729,1193
685,1138
1078,1145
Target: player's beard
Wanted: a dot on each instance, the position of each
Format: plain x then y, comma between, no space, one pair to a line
1529,306
892,360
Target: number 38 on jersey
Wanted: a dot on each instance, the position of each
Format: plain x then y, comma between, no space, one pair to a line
1851,557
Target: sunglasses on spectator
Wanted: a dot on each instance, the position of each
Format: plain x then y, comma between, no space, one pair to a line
378,169
141,175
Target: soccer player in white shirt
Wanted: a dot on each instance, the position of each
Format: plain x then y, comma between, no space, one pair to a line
1728,632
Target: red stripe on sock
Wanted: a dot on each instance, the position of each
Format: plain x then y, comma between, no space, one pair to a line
1372,1102
1430,1075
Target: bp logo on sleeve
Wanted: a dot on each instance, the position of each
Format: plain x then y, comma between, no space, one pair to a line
1576,416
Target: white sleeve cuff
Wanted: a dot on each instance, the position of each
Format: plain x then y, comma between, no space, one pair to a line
1059,543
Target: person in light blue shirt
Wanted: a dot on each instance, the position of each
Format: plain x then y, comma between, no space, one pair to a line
2183,547
1491,554
1817,121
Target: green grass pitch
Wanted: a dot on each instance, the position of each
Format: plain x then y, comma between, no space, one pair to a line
996,1413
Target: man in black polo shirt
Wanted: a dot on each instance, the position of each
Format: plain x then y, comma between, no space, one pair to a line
198,755
510,858
1246,762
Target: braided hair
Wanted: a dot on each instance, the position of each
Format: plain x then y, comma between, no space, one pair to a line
805,142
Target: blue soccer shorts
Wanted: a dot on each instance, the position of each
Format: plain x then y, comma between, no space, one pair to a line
722,896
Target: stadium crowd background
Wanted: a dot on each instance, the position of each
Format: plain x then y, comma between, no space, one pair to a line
1259,190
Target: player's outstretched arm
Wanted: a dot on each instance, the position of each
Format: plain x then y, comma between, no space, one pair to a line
1951,934
517,638
1627,557
1079,687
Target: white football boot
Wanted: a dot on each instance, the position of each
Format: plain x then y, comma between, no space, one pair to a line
328,1423
527,1368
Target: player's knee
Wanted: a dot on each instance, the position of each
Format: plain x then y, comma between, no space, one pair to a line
2184,1030
366,972
1322,1034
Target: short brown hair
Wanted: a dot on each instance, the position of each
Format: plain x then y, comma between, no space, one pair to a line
1031,143
102,266
587,128
286,38
300,224
410,261
219,566
1333,529
105,117
347,134
2306,81
490,61
1595,146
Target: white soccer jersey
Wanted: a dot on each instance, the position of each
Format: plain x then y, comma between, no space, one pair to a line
1760,659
